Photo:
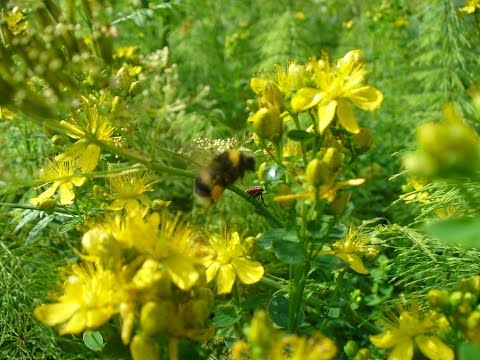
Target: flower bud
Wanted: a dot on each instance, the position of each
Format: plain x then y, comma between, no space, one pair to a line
455,298
266,123
438,299
155,316
318,172
135,88
350,348
473,321
363,354
46,205
363,140
144,348
124,78
339,204
333,158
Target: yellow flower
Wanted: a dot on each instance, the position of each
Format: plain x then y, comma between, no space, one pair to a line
316,347
6,114
128,191
229,260
417,184
61,175
169,244
410,329
348,249
91,296
91,131
336,89
128,53
16,21
470,6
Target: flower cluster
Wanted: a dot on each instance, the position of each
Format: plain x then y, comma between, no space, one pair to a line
266,342
151,268
305,115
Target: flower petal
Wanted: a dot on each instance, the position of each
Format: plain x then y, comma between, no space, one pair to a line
45,195
225,279
402,351
384,340
182,271
66,193
346,117
326,112
53,314
88,160
433,348
75,325
366,98
248,271
305,98
355,262
211,271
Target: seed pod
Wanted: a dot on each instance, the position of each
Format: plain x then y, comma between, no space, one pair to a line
144,347
266,123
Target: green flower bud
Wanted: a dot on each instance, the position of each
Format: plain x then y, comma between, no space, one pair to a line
473,321
155,316
350,348
318,172
363,140
124,78
266,123
47,205
438,299
144,348
333,158
135,88
455,298
363,354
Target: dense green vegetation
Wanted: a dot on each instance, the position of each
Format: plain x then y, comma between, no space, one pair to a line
134,223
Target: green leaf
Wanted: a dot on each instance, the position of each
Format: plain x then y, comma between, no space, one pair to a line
229,341
468,352
334,312
299,135
225,316
277,309
266,239
329,262
253,302
463,231
37,229
289,252
93,340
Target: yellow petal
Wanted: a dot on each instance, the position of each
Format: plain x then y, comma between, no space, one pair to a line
305,98
75,325
211,271
54,314
45,195
248,271
66,193
355,262
89,159
77,181
74,131
385,340
73,152
402,351
258,85
225,279
366,98
346,117
433,348
326,112
98,317
182,271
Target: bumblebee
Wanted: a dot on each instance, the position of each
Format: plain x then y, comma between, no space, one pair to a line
222,172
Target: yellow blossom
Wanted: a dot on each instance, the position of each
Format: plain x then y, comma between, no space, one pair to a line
16,21
61,176
91,296
316,347
336,89
169,244
349,249
128,191
91,130
229,260
410,328
470,6
6,114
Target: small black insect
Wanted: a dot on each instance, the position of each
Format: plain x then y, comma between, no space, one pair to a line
256,192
